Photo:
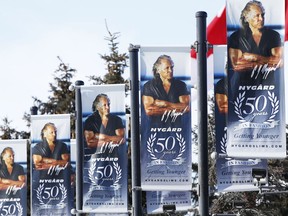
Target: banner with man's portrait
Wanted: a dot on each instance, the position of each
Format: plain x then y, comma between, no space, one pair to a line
157,200
13,177
50,165
231,174
165,118
256,119
105,171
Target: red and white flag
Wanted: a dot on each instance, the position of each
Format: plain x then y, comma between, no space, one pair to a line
216,31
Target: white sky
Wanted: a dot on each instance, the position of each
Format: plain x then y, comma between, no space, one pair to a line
34,33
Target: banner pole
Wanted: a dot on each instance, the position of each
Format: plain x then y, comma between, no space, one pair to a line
201,49
135,134
34,110
79,147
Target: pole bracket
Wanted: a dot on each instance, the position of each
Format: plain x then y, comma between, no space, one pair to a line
196,44
137,188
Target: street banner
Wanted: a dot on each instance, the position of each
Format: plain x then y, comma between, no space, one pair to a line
13,177
105,169
165,118
73,153
231,174
50,165
156,200
256,119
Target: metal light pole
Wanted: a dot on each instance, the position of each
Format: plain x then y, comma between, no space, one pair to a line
135,134
79,147
201,49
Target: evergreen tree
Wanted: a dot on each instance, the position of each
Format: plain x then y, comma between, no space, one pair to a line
8,132
116,62
11,133
62,100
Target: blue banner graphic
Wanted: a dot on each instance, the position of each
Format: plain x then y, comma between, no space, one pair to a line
157,199
105,182
256,119
51,167
13,177
232,174
165,118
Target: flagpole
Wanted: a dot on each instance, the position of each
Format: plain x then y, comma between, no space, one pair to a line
201,49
